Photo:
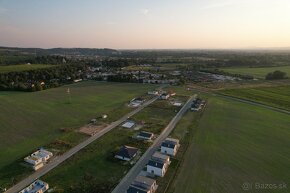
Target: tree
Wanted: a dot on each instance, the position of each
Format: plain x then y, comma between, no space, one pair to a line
276,75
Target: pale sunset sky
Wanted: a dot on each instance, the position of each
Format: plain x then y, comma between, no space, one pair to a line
145,24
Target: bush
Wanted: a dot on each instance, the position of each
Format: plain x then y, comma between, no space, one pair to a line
276,75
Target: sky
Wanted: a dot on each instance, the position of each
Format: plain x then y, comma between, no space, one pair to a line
145,24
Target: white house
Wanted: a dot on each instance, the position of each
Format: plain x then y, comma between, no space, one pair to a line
170,146
38,158
36,187
145,135
126,153
157,168
143,184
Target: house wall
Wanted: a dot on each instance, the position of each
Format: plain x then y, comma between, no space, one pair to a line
122,158
156,171
168,151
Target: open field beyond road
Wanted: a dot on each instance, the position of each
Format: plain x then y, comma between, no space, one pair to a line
23,67
236,143
273,96
256,72
32,120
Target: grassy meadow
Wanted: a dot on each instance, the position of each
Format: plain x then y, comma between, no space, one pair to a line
233,144
257,72
23,67
278,96
32,120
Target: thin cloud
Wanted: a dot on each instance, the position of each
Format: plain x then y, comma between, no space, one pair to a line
145,11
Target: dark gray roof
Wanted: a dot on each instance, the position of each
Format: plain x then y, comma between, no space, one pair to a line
170,143
145,134
127,151
133,189
155,164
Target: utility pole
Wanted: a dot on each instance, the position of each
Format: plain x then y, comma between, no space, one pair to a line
69,95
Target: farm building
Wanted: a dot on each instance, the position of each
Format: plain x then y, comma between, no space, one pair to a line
129,124
38,158
145,135
170,146
36,187
157,168
126,153
143,184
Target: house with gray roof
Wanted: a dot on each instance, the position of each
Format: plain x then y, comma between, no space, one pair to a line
126,153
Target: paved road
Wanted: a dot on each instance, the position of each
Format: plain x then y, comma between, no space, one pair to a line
58,160
137,168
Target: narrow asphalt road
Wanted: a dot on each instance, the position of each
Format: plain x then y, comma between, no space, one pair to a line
58,160
137,168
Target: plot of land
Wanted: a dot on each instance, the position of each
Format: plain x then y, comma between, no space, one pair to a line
236,143
94,169
273,96
32,120
23,67
256,72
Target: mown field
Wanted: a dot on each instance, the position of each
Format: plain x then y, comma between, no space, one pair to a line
23,67
32,120
236,144
278,96
256,72
95,169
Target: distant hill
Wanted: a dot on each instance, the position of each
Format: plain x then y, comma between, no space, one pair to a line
58,51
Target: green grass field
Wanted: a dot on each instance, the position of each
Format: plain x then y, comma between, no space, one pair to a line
274,96
236,143
31,120
95,167
256,72
23,67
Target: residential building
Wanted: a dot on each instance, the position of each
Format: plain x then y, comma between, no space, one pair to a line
145,135
129,124
164,96
161,158
153,92
126,153
170,146
157,168
38,158
143,184
36,187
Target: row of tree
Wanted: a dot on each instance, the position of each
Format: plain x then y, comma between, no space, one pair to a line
36,80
